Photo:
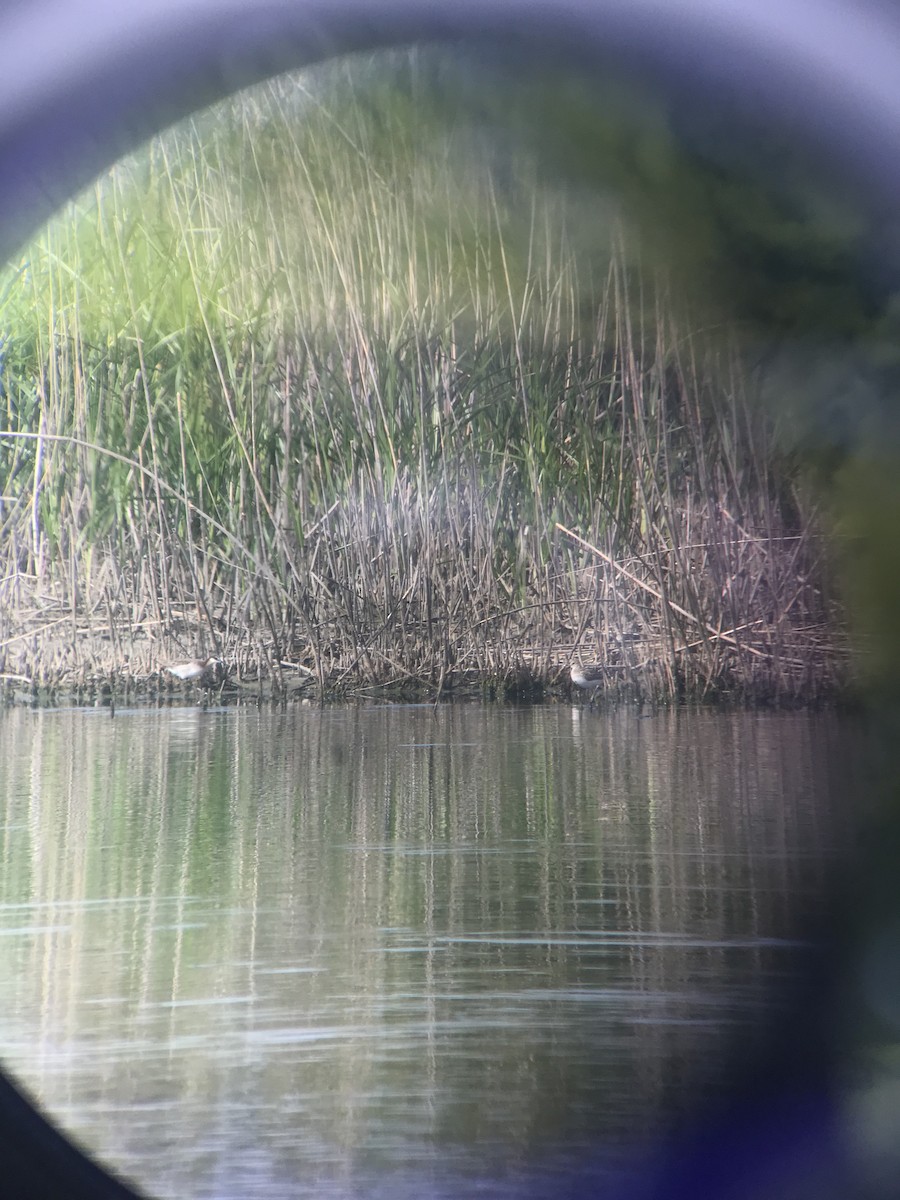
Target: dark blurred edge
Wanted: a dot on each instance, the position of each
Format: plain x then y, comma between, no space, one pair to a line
118,77
37,1162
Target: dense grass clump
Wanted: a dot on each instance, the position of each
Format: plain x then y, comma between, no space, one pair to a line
331,380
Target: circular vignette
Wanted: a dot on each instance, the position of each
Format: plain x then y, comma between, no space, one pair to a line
85,82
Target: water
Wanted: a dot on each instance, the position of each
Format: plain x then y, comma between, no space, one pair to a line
360,952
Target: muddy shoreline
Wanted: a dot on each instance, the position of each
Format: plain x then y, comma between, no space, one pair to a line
48,660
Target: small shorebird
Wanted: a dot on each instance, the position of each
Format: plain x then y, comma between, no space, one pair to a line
589,678
207,673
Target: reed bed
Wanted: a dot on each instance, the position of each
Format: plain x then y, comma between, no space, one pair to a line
330,384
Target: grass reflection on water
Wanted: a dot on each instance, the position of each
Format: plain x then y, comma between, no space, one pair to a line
355,945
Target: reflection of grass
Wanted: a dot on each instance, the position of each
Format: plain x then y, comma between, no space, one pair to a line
318,378
470,905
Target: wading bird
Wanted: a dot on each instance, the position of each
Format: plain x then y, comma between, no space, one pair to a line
207,673
589,678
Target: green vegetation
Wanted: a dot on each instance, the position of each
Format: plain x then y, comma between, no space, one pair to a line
332,379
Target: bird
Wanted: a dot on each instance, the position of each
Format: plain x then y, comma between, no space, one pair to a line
589,678
207,673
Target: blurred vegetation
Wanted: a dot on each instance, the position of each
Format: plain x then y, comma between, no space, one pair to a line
330,375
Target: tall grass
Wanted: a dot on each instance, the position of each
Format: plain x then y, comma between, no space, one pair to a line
329,377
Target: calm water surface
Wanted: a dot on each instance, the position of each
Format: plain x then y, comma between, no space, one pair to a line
398,951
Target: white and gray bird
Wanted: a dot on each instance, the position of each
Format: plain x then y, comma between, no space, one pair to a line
588,678
205,672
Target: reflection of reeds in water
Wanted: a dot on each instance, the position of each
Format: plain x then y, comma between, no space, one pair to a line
394,902
340,439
